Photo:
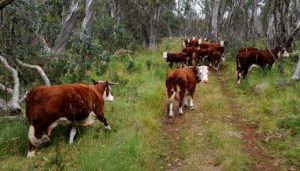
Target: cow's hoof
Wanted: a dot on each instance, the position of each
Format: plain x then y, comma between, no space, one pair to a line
30,154
192,108
171,115
180,113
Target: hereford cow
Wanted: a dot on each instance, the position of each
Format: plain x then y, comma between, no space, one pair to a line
214,60
180,81
190,42
202,55
247,49
69,104
261,58
206,45
179,58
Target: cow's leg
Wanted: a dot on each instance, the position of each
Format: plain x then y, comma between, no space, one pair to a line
104,121
186,104
181,96
171,98
36,137
239,76
31,150
171,104
245,73
72,135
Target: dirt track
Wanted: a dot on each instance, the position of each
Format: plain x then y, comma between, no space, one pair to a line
250,137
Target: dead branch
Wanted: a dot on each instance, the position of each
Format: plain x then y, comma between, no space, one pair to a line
7,89
13,103
122,51
39,69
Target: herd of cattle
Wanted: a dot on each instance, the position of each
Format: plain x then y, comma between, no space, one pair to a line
181,83
81,104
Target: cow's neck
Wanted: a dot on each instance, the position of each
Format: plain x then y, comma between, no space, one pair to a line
100,88
195,72
275,52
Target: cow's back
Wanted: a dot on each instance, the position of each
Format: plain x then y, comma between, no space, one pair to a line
73,101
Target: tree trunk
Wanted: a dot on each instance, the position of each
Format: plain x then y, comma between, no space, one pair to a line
228,22
214,20
67,27
296,75
154,23
13,103
89,16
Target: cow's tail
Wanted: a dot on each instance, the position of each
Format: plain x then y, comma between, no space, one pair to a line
172,89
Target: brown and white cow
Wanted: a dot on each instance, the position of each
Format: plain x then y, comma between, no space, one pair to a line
261,58
69,104
206,45
180,58
194,42
182,81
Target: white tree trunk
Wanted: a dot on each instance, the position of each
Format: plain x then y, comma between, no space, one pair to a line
13,103
67,27
214,20
39,70
296,75
154,26
87,23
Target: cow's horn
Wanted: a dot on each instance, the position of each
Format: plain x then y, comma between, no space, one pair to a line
112,83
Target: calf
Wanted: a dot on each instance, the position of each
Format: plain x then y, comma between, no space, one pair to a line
180,58
69,104
179,81
261,58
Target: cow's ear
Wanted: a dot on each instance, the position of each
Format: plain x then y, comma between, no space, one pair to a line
94,81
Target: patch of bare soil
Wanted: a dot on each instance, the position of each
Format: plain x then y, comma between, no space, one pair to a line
250,134
172,128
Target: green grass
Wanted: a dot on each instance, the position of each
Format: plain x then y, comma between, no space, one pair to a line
135,140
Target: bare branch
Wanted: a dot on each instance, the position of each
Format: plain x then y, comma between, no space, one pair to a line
7,89
39,69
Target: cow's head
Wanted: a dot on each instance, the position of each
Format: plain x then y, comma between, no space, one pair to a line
202,73
165,55
282,52
200,41
104,87
222,43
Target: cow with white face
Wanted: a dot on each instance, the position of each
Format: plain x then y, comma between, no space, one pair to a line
70,104
181,83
